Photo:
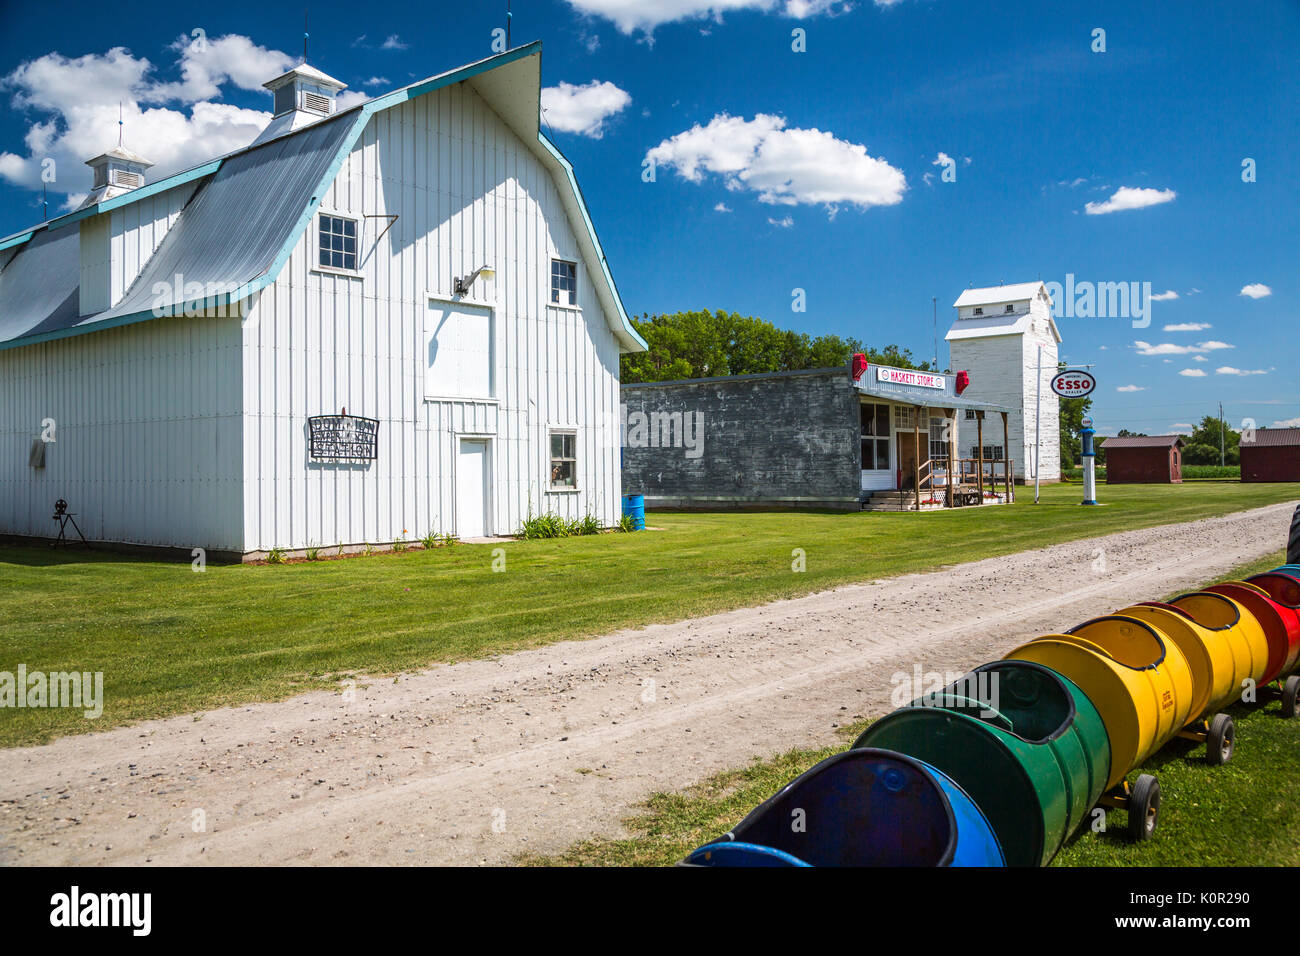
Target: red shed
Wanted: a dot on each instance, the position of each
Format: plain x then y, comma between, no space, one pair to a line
1274,455
1144,460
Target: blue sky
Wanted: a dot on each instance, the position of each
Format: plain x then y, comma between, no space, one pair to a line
820,170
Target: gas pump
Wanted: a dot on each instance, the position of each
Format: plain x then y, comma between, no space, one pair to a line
1089,463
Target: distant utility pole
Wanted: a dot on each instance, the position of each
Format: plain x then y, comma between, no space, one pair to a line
934,307
1220,434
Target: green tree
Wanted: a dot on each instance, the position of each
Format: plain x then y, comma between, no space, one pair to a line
702,344
1203,444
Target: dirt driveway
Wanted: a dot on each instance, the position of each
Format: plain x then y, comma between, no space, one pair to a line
472,763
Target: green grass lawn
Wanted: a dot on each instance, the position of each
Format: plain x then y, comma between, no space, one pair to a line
169,640
1241,814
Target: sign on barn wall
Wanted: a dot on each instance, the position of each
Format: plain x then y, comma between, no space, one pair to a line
343,438
898,376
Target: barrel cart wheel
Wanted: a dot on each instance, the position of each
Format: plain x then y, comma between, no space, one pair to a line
1219,734
1141,801
1291,697
1221,740
1143,808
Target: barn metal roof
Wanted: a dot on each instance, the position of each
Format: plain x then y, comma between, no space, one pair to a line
1142,441
1274,437
248,212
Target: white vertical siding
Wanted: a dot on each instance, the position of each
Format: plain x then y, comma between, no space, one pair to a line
147,432
136,230
466,192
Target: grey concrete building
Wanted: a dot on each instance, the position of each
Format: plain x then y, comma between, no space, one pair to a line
884,439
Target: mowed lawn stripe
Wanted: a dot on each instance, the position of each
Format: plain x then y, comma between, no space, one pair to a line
170,640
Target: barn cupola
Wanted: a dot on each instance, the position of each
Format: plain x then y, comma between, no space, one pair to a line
117,171
302,96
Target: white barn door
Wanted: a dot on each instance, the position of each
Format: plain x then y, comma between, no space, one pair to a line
472,483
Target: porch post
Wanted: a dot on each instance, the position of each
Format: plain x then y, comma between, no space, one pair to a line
979,455
953,464
916,452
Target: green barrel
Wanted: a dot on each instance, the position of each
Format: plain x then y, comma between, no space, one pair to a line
1025,742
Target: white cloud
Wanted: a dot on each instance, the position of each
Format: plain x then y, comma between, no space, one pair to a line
784,166
583,109
722,207
1287,423
1229,370
645,15
1199,358
394,42
1183,428
1256,290
1169,348
376,81
1166,296
1131,388
73,108
1193,372
784,223
1188,326
1129,197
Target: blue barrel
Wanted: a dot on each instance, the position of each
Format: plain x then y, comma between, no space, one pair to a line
864,807
634,508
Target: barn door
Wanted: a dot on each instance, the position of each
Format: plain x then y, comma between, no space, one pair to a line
472,489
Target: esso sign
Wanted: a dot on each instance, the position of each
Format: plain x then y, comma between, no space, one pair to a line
1075,383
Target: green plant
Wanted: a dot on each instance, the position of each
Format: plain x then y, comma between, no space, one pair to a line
313,553
589,524
367,551
546,526
430,541
275,556
450,539
626,523
400,544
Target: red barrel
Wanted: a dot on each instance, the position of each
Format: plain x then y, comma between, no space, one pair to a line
1284,590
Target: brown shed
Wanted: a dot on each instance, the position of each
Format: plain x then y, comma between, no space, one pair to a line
1274,455
1144,460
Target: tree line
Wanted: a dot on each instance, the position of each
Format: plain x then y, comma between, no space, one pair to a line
707,343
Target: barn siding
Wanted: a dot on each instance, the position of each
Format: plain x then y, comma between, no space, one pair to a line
147,436
467,191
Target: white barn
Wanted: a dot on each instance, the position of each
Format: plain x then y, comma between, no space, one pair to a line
996,338
424,260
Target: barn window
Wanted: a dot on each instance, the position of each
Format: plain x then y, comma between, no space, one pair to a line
460,349
1011,308
979,311
564,282
564,460
991,452
337,243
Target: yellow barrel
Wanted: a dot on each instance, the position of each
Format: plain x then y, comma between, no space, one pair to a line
1234,625
1214,670
1137,679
